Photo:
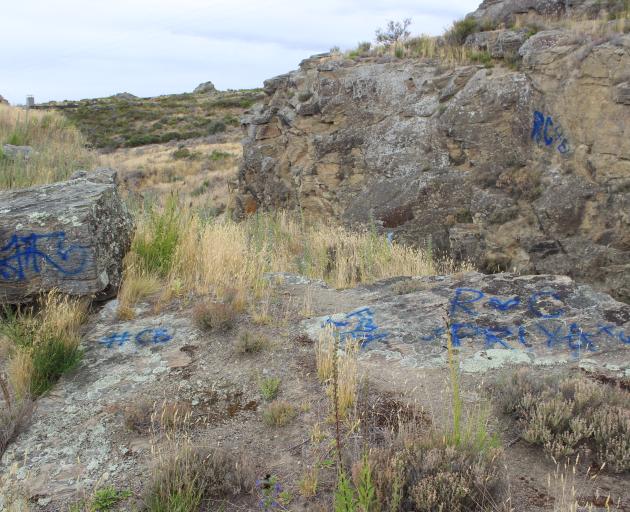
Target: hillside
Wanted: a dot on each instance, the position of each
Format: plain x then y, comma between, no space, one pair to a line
127,121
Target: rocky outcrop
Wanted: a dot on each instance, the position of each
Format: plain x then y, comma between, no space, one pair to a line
523,169
205,88
71,236
506,11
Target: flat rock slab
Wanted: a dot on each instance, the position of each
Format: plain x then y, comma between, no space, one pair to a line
71,236
495,320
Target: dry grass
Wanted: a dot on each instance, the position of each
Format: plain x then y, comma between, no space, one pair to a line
279,413
137,286
250,343
202,182
58,148
563,485
214,316
186,477
145,416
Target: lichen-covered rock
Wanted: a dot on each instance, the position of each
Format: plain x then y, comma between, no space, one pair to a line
494,321
531,166
71,236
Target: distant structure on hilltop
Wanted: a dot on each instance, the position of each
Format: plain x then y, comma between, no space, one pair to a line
205,88
30,101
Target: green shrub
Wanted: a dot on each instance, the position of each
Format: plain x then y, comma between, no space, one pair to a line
269,388
219,155
215,127
483,57
460,30
181,152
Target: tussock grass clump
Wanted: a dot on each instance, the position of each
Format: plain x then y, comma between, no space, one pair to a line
279,413
566,413
44,342
214,316
144,416
137,285
250,343
58,148
186,478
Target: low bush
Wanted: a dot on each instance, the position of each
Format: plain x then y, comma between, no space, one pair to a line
460,30
566,414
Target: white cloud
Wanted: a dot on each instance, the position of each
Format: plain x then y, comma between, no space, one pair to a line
88,48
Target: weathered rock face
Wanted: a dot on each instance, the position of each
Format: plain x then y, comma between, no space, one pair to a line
495,320
71,236
505,11
525,170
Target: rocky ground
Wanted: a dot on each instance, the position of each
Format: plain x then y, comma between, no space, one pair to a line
94,429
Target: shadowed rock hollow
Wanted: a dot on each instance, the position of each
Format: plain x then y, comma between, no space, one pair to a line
513,169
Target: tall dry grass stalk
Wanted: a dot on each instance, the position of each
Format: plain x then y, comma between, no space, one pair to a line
325,353
59,149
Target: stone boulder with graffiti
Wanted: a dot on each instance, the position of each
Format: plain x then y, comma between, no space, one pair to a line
521,167
70,236
493,320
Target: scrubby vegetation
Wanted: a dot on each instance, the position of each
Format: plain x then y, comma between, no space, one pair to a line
116,122
568,414
58,149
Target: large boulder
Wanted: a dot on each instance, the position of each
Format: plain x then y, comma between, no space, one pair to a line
71,236
514,169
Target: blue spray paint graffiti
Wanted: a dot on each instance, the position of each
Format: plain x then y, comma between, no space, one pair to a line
543,130
361,326
22,254
150,336
545,306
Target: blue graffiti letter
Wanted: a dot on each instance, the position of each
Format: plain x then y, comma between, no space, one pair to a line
533,307
537,129
497,304
457,302
495,335
457,335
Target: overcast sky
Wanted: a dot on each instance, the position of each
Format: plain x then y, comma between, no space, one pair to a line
73,49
